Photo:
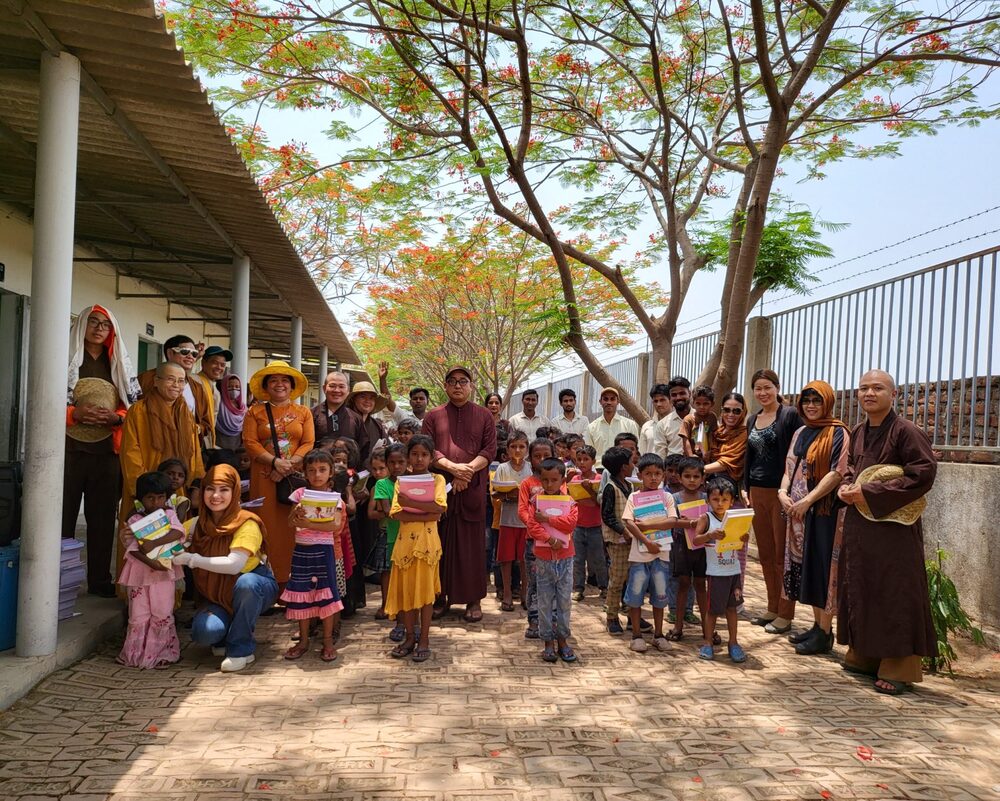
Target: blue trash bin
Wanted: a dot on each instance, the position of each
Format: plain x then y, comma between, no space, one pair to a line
9,561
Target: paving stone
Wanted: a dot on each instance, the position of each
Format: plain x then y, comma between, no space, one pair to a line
486,720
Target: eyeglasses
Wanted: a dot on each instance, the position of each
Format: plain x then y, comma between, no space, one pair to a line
458,382
727,410
184,351
100,325
811,400
178,382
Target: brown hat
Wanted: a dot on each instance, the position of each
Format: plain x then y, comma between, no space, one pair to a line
906,515
612,390
92,392
362,387
458,369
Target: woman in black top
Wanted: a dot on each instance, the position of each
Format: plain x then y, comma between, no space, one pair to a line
770,433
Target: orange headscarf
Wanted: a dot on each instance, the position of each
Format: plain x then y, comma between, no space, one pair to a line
213,538
729,446
820,450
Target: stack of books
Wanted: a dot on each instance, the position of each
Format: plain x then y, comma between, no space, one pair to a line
72,572
320,506
151,528
649,510
415,488
554,506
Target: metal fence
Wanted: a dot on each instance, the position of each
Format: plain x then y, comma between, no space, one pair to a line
932,329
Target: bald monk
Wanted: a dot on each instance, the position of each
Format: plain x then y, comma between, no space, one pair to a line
158,427
182,351
884,613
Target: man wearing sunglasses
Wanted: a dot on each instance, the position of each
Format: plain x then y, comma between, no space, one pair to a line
181,350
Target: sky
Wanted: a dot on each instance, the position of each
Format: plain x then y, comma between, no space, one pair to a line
936,181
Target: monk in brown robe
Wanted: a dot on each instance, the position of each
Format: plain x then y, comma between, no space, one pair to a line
884,614
465,441
181,350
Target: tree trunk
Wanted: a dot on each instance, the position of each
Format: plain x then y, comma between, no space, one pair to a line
661,354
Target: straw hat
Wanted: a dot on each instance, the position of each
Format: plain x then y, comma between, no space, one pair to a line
906,515
366,386
92,392
256,383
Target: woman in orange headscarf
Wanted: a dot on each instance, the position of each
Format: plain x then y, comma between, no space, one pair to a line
816,462
729,441
230,567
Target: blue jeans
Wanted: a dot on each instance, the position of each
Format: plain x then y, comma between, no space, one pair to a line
588,544
254,592
555,589
492,566
651,577
672,595
529,583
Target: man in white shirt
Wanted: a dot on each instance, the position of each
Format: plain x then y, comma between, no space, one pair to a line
570,422
679,392
651,437
527,421
601,432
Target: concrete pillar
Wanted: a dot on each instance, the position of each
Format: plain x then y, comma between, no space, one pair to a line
295,347
757,354
324,367
240,331
51,299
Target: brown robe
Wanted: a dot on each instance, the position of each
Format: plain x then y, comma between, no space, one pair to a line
203,413
883,605
460,434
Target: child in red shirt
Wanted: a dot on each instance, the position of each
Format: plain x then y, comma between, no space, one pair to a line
553,537
588,539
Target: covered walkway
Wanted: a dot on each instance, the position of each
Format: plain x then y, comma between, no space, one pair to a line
114,164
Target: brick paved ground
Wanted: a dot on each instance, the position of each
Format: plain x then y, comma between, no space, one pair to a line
485,719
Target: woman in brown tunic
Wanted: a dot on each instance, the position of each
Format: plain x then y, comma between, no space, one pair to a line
280,384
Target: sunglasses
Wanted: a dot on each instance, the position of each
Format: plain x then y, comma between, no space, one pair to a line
811,400
184,351
727,410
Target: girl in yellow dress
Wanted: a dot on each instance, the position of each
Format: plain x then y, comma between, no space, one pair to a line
414,580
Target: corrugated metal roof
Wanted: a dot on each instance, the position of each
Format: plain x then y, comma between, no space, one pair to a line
187,198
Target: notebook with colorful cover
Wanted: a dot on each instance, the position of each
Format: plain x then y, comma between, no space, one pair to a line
554,506
692,510
736,523
650,508
320,506
151,528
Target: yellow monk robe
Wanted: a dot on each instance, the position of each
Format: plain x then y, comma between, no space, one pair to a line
203,403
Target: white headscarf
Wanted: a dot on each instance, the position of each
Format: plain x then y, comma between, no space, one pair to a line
122,374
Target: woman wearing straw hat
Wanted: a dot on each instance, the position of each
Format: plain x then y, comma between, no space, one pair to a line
280,421
100,389
366,402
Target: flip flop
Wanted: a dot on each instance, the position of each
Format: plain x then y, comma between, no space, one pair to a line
421,654
675,636
897,687
716,639
328,654
297,651
506,607
566,654
402,650
473,615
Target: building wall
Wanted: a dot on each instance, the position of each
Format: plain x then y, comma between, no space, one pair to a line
94,282
961,518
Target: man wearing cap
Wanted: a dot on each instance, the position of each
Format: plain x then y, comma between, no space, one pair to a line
465,441
213,366
601,432
101,388
180,349
332,417
884,614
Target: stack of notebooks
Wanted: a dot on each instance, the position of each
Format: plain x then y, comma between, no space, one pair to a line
72,572
554,506
650,509
151,528
320,506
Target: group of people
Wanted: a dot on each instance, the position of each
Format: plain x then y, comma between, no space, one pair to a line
232,481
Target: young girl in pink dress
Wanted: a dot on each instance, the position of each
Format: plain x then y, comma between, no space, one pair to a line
151,639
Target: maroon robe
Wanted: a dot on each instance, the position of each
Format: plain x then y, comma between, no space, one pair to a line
460,434
883,605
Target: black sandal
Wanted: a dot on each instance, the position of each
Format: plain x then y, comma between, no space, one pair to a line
506,607
894,688
402,650
675,636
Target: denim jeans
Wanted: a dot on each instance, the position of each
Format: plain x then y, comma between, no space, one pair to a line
254,592
529,583
588,544
555,588
647,577
672,595
492,537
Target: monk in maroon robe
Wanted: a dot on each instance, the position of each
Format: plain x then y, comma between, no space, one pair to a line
465,441
884,613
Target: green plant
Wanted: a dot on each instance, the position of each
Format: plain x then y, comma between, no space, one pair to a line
947,613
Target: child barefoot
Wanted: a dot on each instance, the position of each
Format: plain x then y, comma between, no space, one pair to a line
151,641
725,592
312,590
415,581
